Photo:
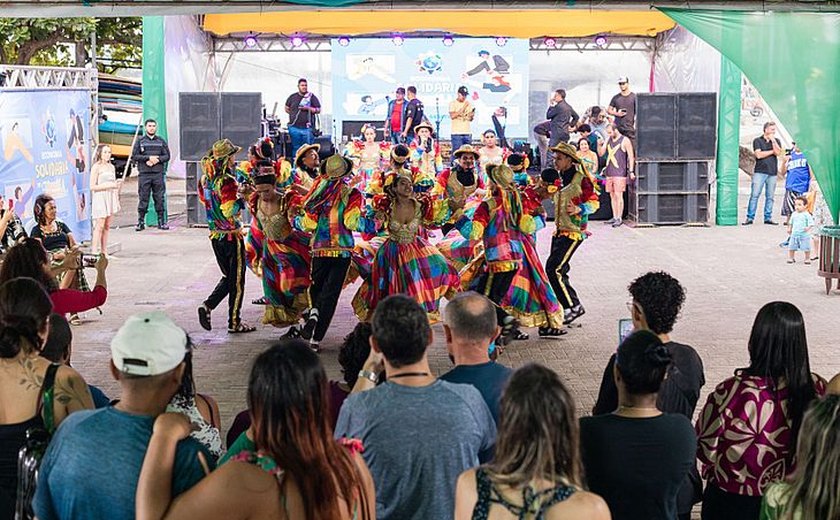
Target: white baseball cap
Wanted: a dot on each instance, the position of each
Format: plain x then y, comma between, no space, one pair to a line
623,79
148,344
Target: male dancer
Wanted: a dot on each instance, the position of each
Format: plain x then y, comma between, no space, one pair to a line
223,200
574,202
332,212
306,168
465,182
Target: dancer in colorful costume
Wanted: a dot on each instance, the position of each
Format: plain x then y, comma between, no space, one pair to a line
277,252
332,211
406,263
425,158
306,171
462,180
370,159
574,202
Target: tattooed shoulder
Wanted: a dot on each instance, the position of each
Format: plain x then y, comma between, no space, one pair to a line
71,390
31,375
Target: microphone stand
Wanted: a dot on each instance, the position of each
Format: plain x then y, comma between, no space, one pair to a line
437,118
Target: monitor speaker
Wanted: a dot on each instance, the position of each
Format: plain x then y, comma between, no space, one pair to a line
696,125
199,118
656,120
241,118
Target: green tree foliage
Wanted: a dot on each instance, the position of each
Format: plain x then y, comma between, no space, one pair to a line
66,41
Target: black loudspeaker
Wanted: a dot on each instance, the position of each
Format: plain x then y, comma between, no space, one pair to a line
196,214
326,144
696,125
241,118
675,208
199,119
656,123
672,177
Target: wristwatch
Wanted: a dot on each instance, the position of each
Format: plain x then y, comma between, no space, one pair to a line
373,377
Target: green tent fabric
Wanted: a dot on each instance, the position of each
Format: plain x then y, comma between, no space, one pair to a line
154,86
793,59
729,126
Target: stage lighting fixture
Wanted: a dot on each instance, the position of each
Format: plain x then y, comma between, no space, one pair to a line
397,40
448,41
601,41
344,41
250,41
550,42
297,41
501,41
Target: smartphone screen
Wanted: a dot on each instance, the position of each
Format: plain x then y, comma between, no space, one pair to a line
625,328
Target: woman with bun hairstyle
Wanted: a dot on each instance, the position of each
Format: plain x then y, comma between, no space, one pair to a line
637,457
34,393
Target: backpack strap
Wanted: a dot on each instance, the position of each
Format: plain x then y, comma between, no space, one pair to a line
47,397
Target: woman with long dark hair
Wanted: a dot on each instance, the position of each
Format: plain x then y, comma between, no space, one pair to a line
202,410
29,259
748,429
25,377
811,493
536,471
294,469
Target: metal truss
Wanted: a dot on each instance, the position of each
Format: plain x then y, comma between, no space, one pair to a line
18,77
270,43
612,43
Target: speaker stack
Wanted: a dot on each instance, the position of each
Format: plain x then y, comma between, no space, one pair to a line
676,136
205,118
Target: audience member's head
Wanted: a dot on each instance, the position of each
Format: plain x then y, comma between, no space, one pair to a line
813,491
779,350
538,433
641,362
354,351
27,259
401,330
470,325
287,394
585,129
657,300
147,357
58,347
44,208
25,309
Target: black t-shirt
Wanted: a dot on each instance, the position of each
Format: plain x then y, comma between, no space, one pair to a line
302,118
680,390
770,164
628,103
637,465
415,112
53,241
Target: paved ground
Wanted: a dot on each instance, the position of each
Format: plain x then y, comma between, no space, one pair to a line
728,272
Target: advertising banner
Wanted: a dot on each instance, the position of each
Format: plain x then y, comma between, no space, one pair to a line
45,148
367,71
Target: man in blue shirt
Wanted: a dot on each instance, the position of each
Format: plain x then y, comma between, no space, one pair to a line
92,465
470,326
797,180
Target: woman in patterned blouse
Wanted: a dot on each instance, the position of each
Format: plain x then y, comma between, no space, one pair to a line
747,430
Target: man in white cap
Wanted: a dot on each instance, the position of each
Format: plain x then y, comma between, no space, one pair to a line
92,465
623,109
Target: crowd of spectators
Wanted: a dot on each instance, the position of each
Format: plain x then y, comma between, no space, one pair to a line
391,440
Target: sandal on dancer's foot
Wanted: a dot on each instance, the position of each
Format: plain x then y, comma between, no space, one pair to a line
509,325
791,261
807,262
574,313
315,346
260,301
292,333
311,322
552,332
518,335
241,328
74,319
204,317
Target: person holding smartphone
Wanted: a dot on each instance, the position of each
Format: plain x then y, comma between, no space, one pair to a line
11,228
623,109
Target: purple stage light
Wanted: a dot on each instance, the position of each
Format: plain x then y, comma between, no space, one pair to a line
448,41
501,41
397,40
601,41
344,41
250,41
550,42
297,41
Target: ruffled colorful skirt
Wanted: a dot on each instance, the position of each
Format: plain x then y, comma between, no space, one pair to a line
284,266
530,298
416,269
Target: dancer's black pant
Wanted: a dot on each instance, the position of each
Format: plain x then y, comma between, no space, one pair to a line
328,275
557,269
230,255
154,184
495,286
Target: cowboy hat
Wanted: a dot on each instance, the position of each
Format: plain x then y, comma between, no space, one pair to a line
467,148
424,124
223,148
567,150
500,174
400,153
303,150
336,166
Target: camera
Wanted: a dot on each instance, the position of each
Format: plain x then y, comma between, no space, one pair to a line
89,260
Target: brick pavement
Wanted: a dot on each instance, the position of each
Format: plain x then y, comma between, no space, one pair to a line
728,272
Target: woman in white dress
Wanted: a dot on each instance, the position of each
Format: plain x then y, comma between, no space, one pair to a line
105,190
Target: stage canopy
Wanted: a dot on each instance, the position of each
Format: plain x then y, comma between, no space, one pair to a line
527,23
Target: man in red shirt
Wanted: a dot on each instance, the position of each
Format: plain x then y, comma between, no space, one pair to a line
396,117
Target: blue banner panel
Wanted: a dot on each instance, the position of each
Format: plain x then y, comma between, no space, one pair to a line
367,71
45,148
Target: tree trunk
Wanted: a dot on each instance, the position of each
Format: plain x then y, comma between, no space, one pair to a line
28,50
81,54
